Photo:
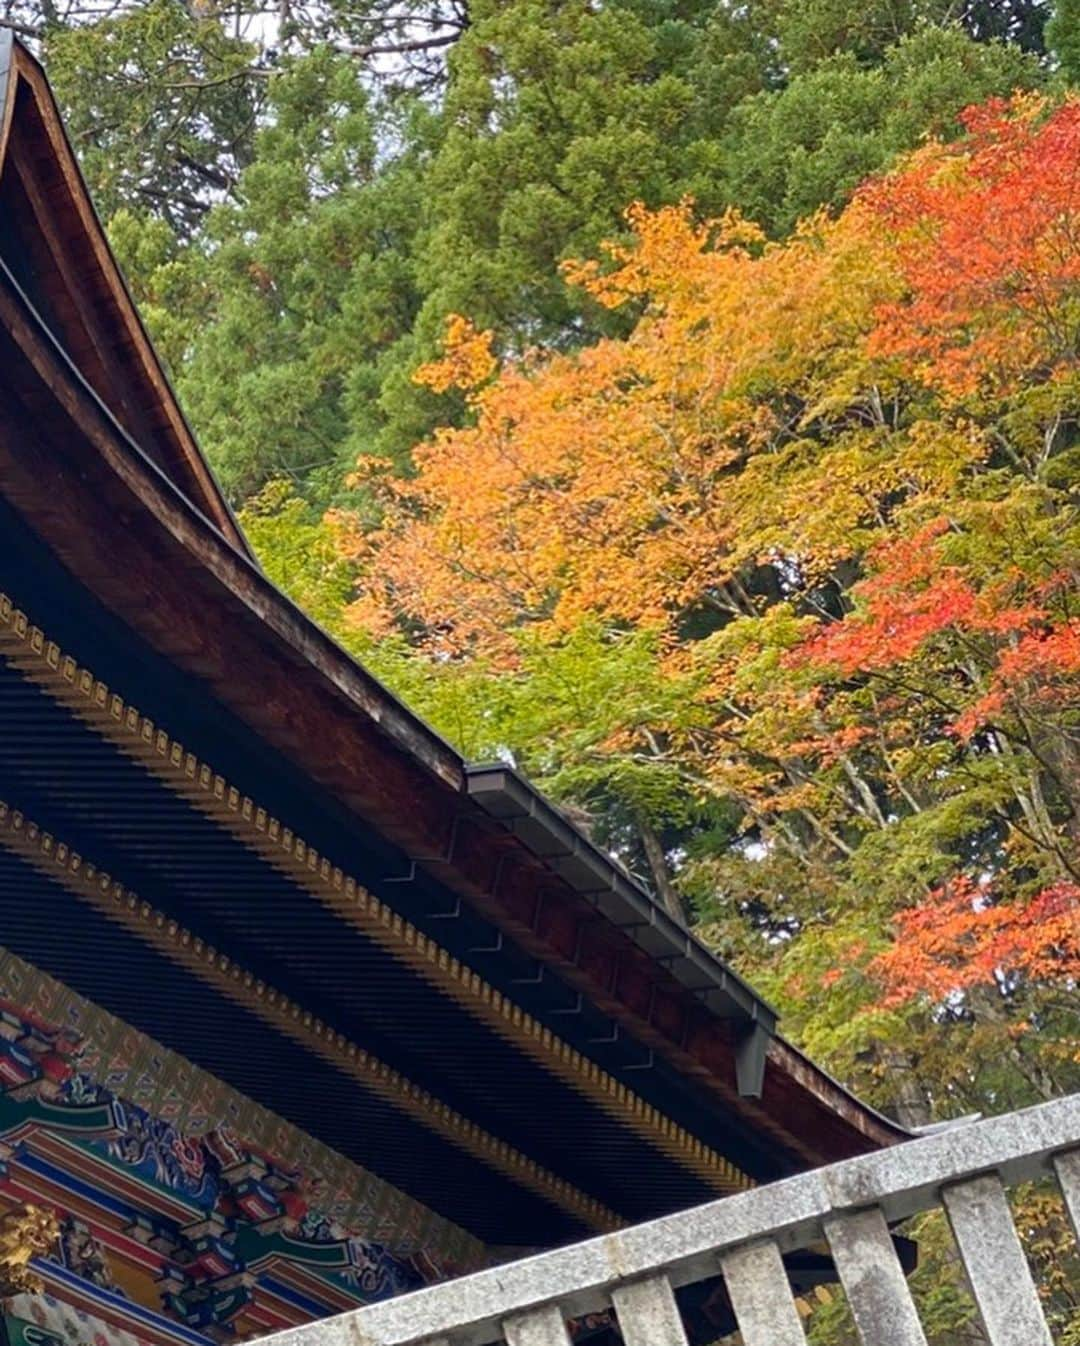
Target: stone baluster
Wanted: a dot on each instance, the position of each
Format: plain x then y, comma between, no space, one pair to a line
1067,1169
758,1288
648,1314
539,1327
995,1263
873,1279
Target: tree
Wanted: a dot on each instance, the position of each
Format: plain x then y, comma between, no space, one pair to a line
824,489
164,99
556,117
809,33
757,548
161,101
791,150
500,140
991,264
1063,38
309,284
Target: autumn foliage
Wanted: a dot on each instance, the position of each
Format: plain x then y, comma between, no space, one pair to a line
780,588
962,937
637,478
988,248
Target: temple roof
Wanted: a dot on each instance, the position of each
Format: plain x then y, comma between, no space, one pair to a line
72,275
458,988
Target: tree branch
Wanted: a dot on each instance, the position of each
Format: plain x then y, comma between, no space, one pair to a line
21,29
397,48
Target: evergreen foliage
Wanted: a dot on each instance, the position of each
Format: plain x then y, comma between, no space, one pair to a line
1063,38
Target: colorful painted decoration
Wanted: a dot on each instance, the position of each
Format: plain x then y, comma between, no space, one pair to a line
149,1225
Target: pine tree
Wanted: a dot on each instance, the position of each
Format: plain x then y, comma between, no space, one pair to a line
1063,38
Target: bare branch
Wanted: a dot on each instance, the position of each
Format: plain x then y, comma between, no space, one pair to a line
22,29
397,48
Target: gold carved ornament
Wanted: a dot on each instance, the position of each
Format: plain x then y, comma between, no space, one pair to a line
25,1232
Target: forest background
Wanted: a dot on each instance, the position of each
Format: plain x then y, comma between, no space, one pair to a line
678,399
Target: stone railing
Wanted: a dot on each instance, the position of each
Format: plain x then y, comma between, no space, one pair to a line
848,1206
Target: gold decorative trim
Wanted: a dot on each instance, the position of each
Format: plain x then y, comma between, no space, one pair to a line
181,771
56,859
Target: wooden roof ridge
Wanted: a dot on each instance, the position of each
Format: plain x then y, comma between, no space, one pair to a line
96,316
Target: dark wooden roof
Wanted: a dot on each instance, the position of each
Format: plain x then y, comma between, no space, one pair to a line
69,269
121,549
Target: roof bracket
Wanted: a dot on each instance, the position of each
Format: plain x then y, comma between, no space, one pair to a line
489,948
613,1036
534,980
450,915
407,877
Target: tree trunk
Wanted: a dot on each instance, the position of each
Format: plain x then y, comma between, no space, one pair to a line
661,875
911,1104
